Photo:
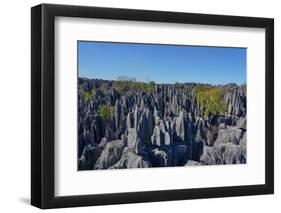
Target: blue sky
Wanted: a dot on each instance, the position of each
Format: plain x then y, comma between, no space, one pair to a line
162,63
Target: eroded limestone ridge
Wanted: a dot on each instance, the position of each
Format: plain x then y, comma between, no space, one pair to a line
123,124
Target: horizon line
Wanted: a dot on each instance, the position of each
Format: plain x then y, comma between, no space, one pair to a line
186,82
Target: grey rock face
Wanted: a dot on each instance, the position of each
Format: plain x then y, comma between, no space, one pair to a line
242,123
130,159
200,131
243,140
180,127
229,135
161,135
133,141
223,154
145,126
193,163
236,101
129,120
157,126
110,155
157,136
89,156
117,114
167,139
136,117
103,143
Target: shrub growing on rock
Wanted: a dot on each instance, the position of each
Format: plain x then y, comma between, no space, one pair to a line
106,112
210,100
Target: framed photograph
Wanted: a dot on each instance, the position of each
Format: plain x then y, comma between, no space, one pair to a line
140,106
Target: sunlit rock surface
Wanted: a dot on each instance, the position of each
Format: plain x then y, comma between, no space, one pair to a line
159,126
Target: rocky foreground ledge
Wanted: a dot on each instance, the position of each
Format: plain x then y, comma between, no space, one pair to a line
137,125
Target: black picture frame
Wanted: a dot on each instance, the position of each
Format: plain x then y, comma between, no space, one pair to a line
43,105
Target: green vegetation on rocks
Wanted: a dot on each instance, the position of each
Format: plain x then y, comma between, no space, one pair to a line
88,96
180,124
106,111
210,100
126,86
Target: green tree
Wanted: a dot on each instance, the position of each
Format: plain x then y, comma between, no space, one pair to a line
210,100
88,96
127,86
105,111
151,85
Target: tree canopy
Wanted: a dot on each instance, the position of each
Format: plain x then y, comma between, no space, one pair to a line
126,86
106,111
210,100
